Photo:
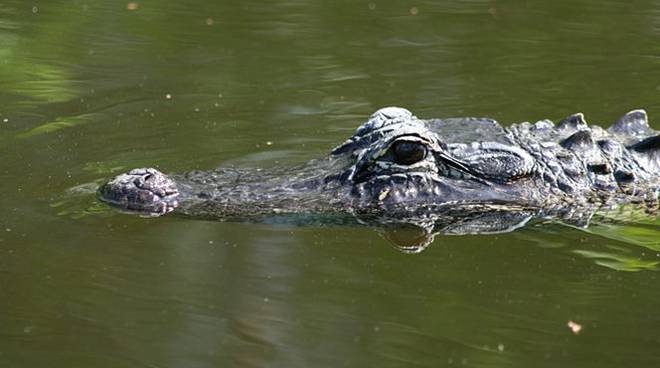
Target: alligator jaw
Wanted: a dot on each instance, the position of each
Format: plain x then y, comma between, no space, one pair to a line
145,190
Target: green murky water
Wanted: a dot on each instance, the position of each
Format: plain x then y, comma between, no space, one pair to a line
91,88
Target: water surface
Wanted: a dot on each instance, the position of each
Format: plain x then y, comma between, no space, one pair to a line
92,88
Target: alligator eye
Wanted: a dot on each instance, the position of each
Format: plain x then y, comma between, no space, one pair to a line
408,153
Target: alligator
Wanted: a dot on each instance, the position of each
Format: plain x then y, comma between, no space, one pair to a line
455,175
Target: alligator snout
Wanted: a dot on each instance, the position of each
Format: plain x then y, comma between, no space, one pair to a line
145,190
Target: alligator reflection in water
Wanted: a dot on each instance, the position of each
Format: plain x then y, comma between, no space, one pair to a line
454,176
413,235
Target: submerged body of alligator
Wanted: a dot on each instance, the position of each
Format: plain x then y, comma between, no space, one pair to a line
469,174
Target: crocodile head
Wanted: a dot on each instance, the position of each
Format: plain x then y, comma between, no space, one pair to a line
394,163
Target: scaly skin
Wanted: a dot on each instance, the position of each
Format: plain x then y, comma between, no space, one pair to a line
400,168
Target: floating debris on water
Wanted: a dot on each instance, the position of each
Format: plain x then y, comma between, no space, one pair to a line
575,327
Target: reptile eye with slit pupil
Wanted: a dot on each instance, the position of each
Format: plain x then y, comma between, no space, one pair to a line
408,153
